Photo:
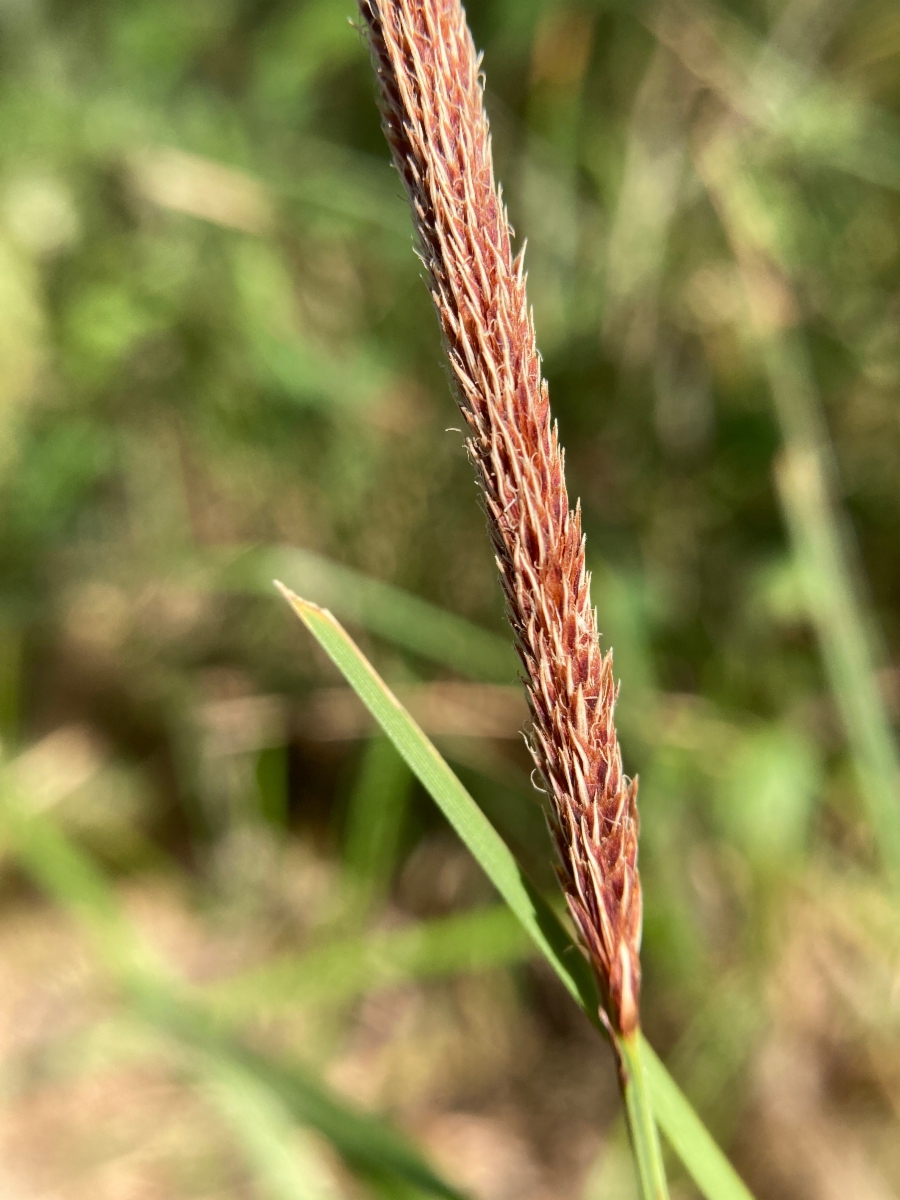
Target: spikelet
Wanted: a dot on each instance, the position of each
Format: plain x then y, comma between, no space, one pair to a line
434,120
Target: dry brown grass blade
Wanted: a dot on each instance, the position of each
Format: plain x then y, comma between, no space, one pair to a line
435,123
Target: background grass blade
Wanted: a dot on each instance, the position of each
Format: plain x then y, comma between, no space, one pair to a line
702,1158
380,608
354,966
365,1144
374,823
808,484
253,1082
284,1166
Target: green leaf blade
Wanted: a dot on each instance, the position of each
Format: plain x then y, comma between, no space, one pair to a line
256,1085
699,1153
688,1136
467,819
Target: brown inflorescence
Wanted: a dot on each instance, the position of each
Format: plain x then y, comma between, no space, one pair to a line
435,123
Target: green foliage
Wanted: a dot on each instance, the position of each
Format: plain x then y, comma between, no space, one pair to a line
220,367
699,1152
263,1097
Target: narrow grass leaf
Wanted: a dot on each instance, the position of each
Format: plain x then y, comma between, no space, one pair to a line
807,477
688,1136
455,802
286,1167
702,1158
849,640
366,1144
71,878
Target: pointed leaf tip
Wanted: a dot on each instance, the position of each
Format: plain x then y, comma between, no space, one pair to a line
300,606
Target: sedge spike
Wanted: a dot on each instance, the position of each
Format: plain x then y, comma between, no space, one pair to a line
435,123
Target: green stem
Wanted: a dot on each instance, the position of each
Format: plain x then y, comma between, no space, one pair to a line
648,1160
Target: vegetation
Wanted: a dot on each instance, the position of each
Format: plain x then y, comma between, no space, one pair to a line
243,952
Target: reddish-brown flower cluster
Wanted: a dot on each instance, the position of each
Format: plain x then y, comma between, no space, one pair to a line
434,120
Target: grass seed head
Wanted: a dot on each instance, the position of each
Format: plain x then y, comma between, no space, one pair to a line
436,126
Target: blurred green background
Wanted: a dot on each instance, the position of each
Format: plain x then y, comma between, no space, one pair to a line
231,925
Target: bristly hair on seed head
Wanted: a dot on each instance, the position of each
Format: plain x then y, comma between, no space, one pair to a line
435,123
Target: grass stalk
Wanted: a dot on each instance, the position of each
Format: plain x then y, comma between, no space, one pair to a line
640,1116
807,482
